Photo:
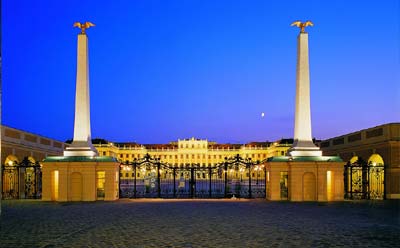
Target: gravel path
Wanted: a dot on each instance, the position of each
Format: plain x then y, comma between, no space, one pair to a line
200,223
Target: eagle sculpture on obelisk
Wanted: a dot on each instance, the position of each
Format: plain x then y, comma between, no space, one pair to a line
302,25
83,26
303,144
82,142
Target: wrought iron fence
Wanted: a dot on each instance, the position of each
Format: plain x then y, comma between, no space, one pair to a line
235,177
364,181
22,180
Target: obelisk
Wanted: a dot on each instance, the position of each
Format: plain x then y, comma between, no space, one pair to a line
82,143
303,144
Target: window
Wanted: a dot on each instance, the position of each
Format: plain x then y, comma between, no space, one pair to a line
100,183
282,153
339,141
126,174
121,155
374,133
104,153
354,137
325,144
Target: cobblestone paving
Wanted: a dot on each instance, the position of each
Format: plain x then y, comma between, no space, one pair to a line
200,223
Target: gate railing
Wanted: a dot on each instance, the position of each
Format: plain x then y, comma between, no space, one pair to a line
22,180
150,177
364,180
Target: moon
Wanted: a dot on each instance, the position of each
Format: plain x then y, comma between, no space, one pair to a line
262,115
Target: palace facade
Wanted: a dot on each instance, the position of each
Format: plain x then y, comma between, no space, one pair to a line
192,151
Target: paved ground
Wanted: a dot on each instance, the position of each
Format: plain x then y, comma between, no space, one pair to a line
213,223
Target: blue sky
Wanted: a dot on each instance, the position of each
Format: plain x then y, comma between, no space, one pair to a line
163,70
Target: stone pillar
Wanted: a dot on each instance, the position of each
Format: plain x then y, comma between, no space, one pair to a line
82,144
303,144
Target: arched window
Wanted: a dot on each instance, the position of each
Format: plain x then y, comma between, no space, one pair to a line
375,159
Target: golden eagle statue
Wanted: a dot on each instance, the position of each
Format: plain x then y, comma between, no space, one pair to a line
302,25
83,26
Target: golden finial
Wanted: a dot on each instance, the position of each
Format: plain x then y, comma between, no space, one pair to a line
83,26
302,25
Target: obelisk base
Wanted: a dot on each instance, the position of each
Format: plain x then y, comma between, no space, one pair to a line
80,149
304,148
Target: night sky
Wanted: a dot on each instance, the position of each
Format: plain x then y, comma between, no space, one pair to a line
167,70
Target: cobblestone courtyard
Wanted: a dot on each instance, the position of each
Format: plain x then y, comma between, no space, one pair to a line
200,223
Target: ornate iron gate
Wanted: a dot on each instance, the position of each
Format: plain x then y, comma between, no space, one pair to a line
22,180
364,181
235,177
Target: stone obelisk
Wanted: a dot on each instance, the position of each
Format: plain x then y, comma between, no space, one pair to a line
303,144
82,143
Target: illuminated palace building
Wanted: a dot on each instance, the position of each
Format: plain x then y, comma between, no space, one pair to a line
194,151
196,162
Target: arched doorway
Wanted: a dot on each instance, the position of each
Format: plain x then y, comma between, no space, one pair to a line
309,187
10,178
376,184
364,179
76,186
21,179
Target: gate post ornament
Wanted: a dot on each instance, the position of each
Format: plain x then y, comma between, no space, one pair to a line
302,25
83,26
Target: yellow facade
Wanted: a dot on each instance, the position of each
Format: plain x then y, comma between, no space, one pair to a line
17,144
305,181
79,181
377,145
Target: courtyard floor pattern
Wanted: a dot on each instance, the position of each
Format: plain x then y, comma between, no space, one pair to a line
200,223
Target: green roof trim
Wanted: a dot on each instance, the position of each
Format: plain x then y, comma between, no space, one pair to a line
305,159
80,159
